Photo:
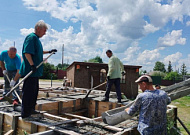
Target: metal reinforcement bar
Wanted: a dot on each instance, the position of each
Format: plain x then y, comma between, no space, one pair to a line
183,125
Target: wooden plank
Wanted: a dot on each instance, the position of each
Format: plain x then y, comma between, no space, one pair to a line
1,122
15,124
10,132
49,132
77,116
64,131
34,128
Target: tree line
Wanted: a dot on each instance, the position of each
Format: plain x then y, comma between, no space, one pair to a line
167,74
50,70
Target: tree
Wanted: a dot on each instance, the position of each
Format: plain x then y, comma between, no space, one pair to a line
64,67
170,67
172,76
159,66
157,73
183,69
47,68
97,59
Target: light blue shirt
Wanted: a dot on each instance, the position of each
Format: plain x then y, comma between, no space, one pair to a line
10,64
152,106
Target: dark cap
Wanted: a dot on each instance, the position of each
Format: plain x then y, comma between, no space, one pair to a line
144,78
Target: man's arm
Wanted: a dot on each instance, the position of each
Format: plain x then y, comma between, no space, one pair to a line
122,67
135,106
52,50
45,52
2,64
110,67
29,58
17,76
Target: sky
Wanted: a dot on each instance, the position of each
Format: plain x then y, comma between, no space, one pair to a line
139,32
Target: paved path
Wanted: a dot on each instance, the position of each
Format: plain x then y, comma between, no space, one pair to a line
45,83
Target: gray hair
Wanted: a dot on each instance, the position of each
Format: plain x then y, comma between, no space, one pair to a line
41,24
13,49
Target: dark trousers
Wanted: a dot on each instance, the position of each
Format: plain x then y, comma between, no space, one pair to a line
109,84
30,92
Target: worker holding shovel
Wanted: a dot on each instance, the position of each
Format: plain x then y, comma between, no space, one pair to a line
32,54
10,63
115,70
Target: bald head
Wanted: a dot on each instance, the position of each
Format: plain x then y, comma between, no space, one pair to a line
12,52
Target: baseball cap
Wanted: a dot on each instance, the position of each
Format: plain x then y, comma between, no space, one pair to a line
144,78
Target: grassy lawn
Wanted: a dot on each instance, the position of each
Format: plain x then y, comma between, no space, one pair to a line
183,105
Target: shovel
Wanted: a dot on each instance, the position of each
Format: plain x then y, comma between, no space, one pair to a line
94,88
7,98
12,89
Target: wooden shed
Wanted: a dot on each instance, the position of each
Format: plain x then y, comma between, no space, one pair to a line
81,75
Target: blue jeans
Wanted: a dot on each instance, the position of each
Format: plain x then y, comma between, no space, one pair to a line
7,88
109,84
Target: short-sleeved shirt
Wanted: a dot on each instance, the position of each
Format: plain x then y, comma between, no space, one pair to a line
115,67
152,105
33,46
10,64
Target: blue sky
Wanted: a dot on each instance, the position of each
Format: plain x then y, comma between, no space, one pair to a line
139,32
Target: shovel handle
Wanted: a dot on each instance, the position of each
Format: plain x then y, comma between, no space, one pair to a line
28,75
94,88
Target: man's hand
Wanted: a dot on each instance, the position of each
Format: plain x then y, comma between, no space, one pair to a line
33,68
53,50
108,77
12,83
5,72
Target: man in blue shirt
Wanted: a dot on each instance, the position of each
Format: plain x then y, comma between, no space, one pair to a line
32,53
152,106
10,63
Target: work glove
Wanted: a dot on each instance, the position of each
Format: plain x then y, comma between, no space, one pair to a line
5,72
12,83
53,50
108,77
33,68
123,73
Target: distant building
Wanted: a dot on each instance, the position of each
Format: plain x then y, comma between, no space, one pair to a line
81,73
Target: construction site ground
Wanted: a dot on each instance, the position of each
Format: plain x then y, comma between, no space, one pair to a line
183,103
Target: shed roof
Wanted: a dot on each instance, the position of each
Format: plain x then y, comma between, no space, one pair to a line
98,65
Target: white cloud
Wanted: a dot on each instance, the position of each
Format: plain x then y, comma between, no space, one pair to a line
188,23
171,39
149,28
120,21
115,25
148,56
174,58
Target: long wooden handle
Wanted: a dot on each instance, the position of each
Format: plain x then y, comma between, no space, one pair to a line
94,88
28,75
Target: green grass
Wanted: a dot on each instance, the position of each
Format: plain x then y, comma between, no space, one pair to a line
183,105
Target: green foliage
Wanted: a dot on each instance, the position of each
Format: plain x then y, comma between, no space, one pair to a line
47,71
159,66
97,59
157,73
64,67
170,67
142,72
172,76
183,69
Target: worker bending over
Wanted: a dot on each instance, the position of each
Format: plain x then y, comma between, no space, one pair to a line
10,63
152,107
